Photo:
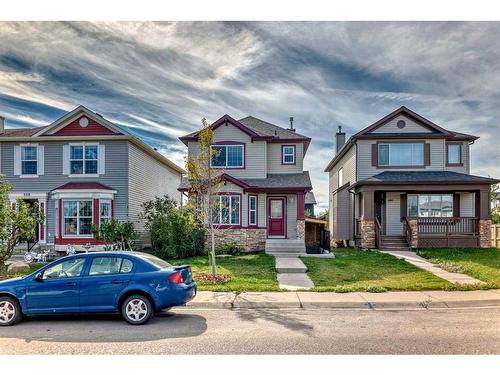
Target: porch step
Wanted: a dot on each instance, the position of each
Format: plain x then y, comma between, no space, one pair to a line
285,247
393,243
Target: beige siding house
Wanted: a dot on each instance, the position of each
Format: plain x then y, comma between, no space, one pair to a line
263,196
405,182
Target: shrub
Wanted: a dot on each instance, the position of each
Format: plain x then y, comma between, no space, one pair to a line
173,231
117,235
230,248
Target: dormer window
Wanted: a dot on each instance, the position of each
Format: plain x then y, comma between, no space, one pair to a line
288,154
84,159
227,156
29,160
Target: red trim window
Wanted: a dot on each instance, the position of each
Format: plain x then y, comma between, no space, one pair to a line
252,210
228,155
105,210
228,212
288,154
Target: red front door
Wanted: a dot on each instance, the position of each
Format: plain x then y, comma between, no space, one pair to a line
276,217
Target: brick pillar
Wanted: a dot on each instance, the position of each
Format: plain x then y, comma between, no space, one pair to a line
367,229
414,232
485,233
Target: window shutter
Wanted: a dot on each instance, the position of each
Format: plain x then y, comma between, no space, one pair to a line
102,159
427,154
41,160
403,207
374,155
65,160
456,205
17,160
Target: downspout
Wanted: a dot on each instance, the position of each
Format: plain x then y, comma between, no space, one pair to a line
353,213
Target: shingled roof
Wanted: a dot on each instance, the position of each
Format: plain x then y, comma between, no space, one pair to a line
425,177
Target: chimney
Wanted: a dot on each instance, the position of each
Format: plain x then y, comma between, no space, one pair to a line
2,125
291,124
339,139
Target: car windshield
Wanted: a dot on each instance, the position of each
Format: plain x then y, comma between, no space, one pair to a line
155,260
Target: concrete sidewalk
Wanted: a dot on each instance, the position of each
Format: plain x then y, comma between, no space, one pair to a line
361,300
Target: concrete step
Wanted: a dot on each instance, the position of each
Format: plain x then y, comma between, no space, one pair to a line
287,255
290,265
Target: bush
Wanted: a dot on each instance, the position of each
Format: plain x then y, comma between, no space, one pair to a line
117,235
173,231
230,248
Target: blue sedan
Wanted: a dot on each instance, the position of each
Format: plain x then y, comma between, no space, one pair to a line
135,284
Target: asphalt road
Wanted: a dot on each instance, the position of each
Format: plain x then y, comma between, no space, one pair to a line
266,331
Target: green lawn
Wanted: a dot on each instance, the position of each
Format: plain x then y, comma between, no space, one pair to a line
355,270
483,264
251,272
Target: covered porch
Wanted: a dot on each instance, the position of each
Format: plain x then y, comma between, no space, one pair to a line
423,214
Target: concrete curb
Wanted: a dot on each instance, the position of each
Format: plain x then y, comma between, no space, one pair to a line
375,301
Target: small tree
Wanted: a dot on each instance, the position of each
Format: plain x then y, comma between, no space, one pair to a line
17,223
495,210
205,183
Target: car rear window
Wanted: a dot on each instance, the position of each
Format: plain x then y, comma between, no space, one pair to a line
154,260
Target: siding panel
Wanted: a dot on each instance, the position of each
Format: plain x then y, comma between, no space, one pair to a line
410,127
274,158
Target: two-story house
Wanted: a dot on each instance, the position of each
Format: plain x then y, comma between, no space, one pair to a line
262,199
405,182
83,169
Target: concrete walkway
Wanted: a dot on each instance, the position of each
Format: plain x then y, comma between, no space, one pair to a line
418,261
292,274
362,300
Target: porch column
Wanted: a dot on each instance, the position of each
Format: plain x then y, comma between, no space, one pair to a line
484,214
301,222
367,222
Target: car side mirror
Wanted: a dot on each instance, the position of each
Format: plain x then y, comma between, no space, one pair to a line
38,277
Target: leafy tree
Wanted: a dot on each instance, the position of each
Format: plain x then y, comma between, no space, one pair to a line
205,183
16,224
117,235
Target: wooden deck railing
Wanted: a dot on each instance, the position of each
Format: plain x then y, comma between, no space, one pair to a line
451,225
407,232
378,233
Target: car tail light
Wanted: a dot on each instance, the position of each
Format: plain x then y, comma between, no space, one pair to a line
176,278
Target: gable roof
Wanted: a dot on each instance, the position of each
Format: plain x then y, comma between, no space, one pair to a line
256,129
38,134
424,177
438,132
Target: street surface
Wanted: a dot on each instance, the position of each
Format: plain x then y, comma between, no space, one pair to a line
264,331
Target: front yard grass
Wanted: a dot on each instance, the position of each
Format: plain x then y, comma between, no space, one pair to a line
483,264
354,270
249,272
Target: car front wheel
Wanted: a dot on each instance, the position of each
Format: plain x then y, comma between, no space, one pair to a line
137,310
10,311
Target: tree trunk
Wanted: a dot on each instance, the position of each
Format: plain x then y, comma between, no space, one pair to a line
3,269
212,252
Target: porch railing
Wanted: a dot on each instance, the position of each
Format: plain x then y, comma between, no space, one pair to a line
378,233
407,232
451,225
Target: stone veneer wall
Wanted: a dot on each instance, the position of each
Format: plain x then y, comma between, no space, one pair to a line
414,232
367,229
301,229
248,239
484,233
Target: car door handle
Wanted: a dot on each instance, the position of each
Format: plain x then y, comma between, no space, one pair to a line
117,282
70,283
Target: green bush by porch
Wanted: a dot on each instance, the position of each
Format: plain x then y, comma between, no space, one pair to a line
483,264
354,270
249,273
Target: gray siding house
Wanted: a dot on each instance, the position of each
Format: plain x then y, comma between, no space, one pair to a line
264,183
405,182
82,169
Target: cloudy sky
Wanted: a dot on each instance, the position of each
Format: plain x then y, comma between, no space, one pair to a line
159,79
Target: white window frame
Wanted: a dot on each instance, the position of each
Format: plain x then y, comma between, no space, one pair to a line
226,166
340,177
22,175
77,235
283,161
412,164
108,202
231,198
84,174
250,210
429,200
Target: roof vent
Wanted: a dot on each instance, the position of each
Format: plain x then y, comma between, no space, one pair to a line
98,114
291,124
